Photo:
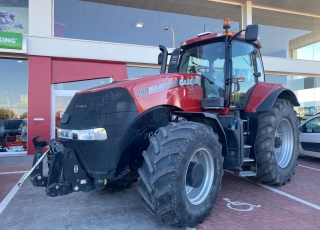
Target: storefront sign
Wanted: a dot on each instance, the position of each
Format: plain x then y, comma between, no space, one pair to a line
10,40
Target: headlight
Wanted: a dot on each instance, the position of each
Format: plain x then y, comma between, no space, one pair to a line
86,134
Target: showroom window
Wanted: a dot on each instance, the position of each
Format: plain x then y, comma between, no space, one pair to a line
13,103
134,72
306,89
281,32
140,24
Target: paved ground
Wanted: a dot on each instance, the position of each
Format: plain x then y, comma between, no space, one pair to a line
294,206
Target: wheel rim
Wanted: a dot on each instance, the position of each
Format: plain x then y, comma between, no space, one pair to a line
283,152
198,195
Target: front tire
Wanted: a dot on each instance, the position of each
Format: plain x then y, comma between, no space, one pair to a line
276,144
166,190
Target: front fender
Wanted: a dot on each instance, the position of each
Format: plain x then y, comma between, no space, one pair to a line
211,120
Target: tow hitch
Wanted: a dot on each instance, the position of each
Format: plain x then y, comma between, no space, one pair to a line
65,175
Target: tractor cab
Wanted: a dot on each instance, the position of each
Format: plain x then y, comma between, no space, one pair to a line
229,63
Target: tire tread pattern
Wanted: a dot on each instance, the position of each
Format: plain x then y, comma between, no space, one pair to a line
162,167
268,170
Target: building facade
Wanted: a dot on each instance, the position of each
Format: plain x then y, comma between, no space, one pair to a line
70,45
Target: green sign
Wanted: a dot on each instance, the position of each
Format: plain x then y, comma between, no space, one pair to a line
9,40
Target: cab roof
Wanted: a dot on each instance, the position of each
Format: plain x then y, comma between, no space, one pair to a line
208,36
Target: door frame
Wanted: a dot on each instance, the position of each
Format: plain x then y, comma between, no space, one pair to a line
57,93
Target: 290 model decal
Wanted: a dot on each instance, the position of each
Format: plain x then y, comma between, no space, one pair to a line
143,92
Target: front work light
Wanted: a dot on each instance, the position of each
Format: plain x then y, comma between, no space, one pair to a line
86,134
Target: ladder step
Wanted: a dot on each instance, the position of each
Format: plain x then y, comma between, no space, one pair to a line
247,173
247,146
247,159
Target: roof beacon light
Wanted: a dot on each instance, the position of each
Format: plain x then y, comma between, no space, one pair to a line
183,43
226,23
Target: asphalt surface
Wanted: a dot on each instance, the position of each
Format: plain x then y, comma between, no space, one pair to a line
242,204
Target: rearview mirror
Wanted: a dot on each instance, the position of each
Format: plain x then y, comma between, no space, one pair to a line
252,33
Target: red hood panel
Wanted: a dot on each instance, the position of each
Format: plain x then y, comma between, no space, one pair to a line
181,90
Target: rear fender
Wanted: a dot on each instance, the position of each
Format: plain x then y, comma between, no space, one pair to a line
281,93
211,120
263,96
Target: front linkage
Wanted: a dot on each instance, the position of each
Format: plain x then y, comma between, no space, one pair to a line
65,175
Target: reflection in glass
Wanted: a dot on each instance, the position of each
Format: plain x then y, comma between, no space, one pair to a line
61,104
308,97
112,23
13,104
81,85
134,72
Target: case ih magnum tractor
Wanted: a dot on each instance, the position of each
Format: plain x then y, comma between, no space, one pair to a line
177,131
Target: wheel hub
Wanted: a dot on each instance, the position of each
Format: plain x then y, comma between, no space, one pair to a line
277,142
199,176
283,143
195,174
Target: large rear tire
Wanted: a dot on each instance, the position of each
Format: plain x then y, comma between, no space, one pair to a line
165,188
276,144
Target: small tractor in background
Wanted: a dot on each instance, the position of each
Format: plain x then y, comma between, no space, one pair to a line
177,131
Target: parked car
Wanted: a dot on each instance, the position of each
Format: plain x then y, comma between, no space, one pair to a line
310,136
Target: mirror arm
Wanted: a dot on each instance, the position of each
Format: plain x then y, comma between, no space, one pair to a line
236,35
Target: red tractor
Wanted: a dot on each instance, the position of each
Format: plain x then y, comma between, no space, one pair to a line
177,131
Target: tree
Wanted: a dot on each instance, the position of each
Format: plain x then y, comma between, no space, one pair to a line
24,115
7,114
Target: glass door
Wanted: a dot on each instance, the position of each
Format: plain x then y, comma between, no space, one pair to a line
60,101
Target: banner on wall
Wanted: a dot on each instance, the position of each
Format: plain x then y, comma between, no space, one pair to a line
14,16
10,40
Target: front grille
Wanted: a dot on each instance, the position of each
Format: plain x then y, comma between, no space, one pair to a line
112,109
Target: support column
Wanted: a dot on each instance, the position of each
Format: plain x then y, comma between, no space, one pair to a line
246,14
39,99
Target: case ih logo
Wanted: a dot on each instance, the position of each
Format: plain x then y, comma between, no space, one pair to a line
81,106
190,81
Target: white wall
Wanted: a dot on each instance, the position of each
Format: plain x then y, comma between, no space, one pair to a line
41,18
72,48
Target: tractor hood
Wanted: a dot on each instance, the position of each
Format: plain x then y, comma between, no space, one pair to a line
162,89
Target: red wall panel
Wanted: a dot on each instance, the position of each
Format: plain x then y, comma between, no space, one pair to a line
44,71
39,99
64,70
